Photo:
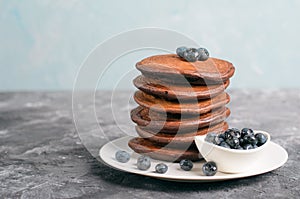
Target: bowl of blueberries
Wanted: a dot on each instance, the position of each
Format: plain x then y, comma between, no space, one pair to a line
233,151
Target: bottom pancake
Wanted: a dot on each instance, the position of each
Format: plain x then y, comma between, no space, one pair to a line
146,147
179,140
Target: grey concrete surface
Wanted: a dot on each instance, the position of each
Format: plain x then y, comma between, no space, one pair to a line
42,155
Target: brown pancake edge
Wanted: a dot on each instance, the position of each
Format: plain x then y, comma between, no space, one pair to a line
176,140
178,92
174,125
145,147
193,107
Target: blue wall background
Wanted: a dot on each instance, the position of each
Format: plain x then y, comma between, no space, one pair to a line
43,43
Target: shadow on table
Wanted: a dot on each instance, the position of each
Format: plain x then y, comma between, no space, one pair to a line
110,175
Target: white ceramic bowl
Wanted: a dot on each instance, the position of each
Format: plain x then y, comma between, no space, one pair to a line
230,160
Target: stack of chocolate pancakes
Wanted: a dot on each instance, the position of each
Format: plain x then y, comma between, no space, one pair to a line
177,101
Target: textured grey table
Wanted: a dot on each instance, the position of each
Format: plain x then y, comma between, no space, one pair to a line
41,155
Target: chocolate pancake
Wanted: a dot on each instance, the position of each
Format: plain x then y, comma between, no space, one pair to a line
182,92
172,68
156,123
179,140
144,146
194,107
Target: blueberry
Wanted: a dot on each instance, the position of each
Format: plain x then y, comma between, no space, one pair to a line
233,142
254,146
161,168
221,135
122,156
181,50
191,55
260,138
228,134
250,139
218,140
225,145
210,137
186,165
209,168
242,141
203,54
233,132
246,131
248,146
143,163
236,132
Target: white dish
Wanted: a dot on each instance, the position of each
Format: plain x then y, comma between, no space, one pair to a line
268,163
231,160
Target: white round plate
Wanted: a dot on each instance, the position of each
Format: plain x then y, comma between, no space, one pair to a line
174,173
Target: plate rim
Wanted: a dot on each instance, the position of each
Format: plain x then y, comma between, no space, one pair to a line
196,178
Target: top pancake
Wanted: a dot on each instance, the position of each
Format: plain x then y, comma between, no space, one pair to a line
172,68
